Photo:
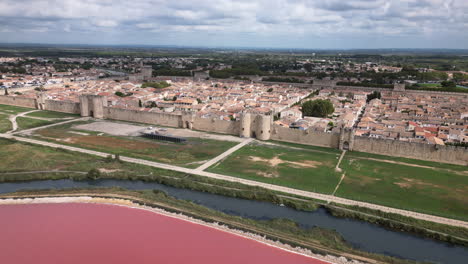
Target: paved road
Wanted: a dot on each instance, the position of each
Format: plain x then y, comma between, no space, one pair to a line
208,164
323,197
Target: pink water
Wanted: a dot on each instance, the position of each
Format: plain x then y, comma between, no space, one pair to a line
91,233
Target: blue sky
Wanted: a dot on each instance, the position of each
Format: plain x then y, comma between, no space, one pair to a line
314,24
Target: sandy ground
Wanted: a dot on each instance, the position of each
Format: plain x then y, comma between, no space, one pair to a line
220,227
124,129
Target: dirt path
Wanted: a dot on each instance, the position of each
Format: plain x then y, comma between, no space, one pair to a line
14,124
319,196
337,168
224,155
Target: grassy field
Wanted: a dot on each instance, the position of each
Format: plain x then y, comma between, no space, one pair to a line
26,123
188,154
50,114
5,124
423,186
439,191
21,157
306,169
9,109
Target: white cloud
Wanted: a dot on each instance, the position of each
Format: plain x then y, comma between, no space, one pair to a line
106,23
318,18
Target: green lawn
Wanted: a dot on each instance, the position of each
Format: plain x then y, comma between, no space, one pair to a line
21,157
191,153
26,123
440,191
50,114
9,109
5,124
355,154
304,169
429,85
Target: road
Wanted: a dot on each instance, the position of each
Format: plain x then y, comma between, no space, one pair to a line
323,197
224,155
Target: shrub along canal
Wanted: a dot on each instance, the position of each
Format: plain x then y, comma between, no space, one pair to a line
362,235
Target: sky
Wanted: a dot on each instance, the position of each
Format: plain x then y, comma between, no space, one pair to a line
309,24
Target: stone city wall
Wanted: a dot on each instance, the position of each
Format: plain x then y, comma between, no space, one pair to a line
446,154
216,125
307,137
62,106
18,101
143,117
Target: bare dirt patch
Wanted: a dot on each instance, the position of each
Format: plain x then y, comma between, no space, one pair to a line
267,175
408,183
104,170
275,161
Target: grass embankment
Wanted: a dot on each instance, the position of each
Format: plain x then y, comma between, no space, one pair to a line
191,153
318,240
23,157
301,169
51,114
440,190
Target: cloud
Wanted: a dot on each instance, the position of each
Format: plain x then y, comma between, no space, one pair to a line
235,20
106,23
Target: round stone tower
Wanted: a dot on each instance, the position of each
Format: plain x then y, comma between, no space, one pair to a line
263,131
245,129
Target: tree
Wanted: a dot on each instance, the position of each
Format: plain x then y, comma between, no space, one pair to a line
93,174
448,84
270,90
6,91
140,104
373,95
318,108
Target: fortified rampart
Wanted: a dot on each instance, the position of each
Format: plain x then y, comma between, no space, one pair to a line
447,154
307,137
249,125
18,101
62,106
162,119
